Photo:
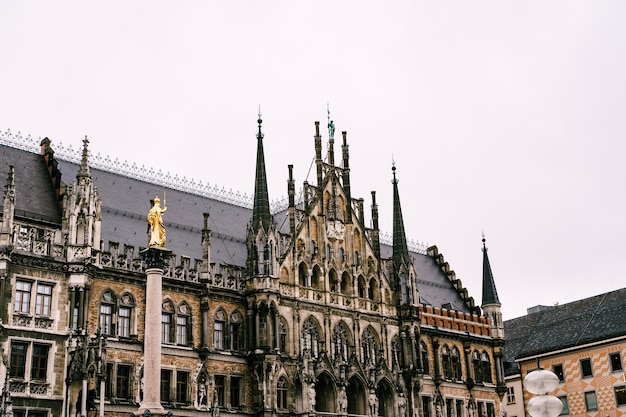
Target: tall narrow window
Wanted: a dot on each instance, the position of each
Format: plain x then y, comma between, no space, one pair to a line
123,322
107,309
310,337
122,382
485,367
167,318
424,357
182,387
39,368
585,367
166,383
219,390
235,391
282,336
181,330
455,358
22,296
43,303
218,335
368,347
478,371
565,409
281,394
18,359
339,347
427,406
235,331
404,293
460,407
591,401
446,361
616,361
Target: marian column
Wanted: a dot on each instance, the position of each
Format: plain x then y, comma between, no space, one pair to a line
156,257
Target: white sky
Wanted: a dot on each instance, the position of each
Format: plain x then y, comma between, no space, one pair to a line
507,117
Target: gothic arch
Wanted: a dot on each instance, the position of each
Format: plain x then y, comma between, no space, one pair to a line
370,344
311,336
386,395
346,284
373,292
284,274
325,394
357,396
303,272
333,280
317,279
341,339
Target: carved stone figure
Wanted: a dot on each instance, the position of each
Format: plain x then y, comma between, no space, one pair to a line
343,400
402,405
372,401
157,227
311,396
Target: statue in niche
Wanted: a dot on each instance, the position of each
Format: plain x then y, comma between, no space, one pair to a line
311,396
202,394
155,221
373,403
343,400
402,405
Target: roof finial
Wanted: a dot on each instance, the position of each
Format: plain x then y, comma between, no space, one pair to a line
331,125
259,121
484,245
83,171
393,169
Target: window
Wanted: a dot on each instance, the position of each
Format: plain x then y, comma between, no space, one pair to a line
510,395
39,367
491,410
591,401
34,364
182,387
218,335
460,406
219,390
427,404
424,357
281,394
166,327
236,337
181,330
18,359
166,383
235,391
123,322
620,395
616,361
282,336
446,361
43,302
449,407
485,368
30,413
478,377
125,316
456,364
368,346
558,371
585,367
122,382
107,308
339,347
565,409
310,337
22,296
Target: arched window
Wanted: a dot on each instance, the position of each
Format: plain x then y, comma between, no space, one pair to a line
302,273
282,394
126,316
346,284
219,324
333,280
316,278
424,357
270,258
310,337
339,347
372,291
485,367
478,372
361,287
342,254
403,290
368,347
236,333
282,335
107,313
167,321
455,358
446,362
183,325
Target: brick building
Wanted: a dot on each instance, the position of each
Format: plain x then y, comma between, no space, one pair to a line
583,343
265,310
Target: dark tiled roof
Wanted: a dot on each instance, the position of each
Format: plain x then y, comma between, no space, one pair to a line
125,205
577,323
35,197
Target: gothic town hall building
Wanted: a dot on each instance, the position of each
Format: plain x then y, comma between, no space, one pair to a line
266,310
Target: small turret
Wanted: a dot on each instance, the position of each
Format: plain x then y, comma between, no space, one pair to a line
401,260
491,303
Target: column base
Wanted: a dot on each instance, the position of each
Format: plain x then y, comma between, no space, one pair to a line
149,410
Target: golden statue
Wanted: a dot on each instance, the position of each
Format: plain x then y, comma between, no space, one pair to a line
155,220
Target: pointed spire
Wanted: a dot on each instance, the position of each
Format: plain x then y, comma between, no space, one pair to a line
490,295
261,207
400,247
83,171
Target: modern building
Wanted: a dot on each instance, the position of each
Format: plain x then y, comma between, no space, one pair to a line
264,310
583,343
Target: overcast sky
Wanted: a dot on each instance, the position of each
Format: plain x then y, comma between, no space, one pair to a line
507,117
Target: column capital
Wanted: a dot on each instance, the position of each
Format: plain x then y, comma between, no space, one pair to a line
155,256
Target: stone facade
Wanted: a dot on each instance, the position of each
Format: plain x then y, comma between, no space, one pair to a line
307,315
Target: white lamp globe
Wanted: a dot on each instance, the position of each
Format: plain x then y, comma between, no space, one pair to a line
545,406
541,381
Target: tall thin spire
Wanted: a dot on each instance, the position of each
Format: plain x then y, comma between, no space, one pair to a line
261,215
400,247
490,295
83,171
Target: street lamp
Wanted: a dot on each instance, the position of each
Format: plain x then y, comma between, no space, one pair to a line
541,382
